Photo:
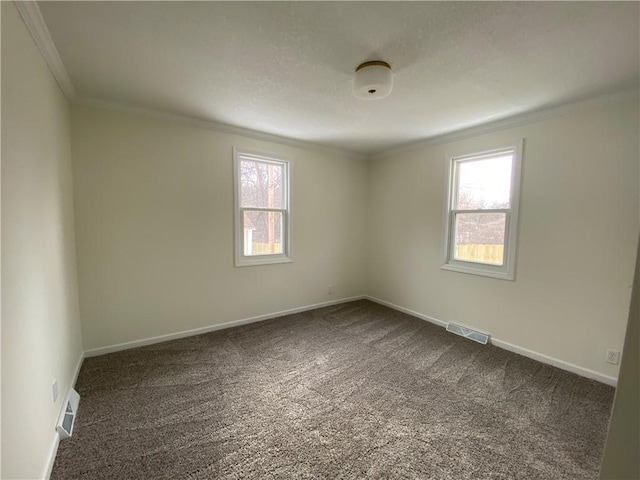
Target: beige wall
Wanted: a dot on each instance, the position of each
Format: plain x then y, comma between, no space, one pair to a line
40,322
154,229
578,233
620,460
154,210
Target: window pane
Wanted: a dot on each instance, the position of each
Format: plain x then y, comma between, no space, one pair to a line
484,184
261,184
262,233
479,237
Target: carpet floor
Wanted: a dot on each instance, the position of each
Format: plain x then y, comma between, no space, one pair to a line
350,391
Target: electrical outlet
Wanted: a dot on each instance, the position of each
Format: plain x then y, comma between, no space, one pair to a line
613,357
330,290
54,387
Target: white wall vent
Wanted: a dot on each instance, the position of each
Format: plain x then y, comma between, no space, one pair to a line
68,414
479,337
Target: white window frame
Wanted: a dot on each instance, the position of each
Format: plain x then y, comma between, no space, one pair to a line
507,271
242,260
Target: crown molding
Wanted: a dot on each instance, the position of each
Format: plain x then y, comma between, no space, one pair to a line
32,17
36,25
217,126
522,119
515,121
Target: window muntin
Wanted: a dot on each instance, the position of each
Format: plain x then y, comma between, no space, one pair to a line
481,216
262,213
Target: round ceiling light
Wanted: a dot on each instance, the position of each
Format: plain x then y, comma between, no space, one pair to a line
373,80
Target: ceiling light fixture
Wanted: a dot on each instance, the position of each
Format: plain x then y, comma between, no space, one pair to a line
373,80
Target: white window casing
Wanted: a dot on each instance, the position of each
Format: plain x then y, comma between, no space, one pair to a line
277,209
505,267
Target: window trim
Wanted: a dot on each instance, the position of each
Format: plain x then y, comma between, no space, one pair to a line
508,270
240,259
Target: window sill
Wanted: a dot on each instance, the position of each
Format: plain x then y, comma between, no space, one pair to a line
479,270
262,260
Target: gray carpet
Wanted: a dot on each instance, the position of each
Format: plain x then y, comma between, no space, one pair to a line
350,391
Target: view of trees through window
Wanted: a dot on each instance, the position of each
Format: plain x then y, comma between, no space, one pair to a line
482,200
262,202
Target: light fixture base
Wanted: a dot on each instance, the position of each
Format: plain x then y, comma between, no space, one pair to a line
373,80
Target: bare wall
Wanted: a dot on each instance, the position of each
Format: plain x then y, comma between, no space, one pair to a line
577,237
620,459
154,210
41,338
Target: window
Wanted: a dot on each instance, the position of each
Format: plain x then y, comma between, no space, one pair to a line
481,221
262,213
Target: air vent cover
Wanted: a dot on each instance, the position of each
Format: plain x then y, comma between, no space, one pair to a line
479,337
68,414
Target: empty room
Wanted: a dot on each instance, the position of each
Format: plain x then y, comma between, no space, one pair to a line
294,240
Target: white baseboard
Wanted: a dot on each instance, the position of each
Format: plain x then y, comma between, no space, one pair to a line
584,372
561,364
413,313
77,372
211,328
173,336
569,367
52,457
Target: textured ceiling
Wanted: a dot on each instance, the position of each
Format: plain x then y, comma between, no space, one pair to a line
285,68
